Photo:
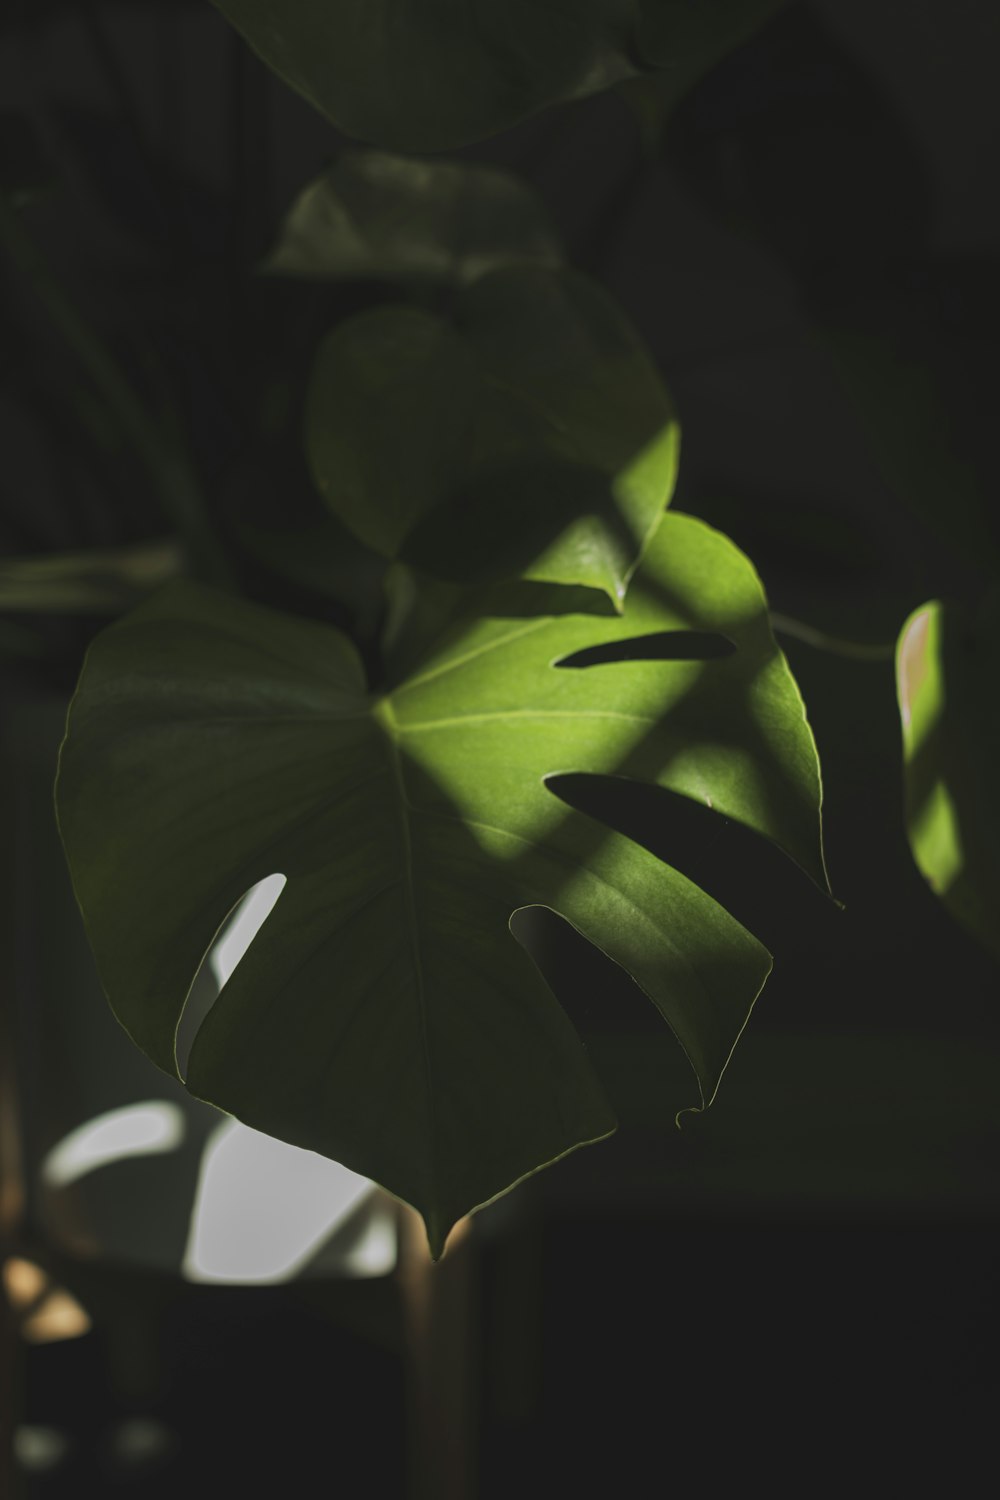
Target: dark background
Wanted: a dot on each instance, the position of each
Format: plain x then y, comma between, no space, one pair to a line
806,1275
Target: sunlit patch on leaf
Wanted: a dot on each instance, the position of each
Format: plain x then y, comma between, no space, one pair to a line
936,839
531,437
394,218
920,690
946,663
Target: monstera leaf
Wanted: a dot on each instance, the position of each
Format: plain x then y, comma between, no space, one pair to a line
946,667
429,75
382,217
384,1015
530,437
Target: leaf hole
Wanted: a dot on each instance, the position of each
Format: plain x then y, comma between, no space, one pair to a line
662,645
223,958
743,871
596,993
611,1015
150,1128
265,1210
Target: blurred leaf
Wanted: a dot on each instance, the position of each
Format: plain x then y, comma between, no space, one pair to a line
441,73
681,43
92,582
795,109
391,218
384,1016
948,667
532,438
794,141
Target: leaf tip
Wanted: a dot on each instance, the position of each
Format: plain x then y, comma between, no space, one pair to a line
689,1109
443,1239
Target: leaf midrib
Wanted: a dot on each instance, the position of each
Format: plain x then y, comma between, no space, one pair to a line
504,715
452,664
386,719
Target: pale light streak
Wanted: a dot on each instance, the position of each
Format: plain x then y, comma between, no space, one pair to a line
263,1208
148,1129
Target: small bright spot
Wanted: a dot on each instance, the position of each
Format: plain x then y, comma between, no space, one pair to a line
246,922
136,1130
263,1208
376,1252
139,1440
46,1314
38,1449
59,1317
23,1281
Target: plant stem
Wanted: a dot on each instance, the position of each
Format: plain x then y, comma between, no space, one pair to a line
169,468
442,1341
836,645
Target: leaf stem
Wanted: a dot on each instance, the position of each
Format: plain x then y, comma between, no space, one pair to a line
834,644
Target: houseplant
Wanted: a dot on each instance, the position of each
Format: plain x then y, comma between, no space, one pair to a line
299,560
511,464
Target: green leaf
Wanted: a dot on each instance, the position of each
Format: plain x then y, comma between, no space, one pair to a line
947,667
98,581
534,438
681,42
384,1015
390,218
436,74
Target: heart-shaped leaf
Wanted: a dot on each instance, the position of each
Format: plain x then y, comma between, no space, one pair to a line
429,75
391,218
384,1015
534,438
680,42
947,667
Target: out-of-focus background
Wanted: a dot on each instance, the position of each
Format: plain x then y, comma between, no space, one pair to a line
809,245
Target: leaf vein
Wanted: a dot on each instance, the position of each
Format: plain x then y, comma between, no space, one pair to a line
460,661
523,713
405,809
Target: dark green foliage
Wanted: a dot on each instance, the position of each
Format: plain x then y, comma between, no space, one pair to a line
430,75
415,467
